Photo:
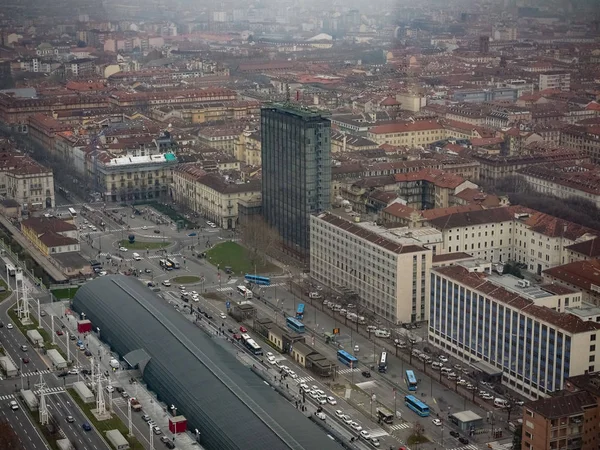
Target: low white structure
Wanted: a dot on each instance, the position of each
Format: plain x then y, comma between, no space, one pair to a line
8,367
35,337
64,444
30,399
57,360
83,391
117,440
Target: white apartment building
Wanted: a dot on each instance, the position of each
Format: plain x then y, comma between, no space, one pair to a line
389,272
525,334
555,80
512,233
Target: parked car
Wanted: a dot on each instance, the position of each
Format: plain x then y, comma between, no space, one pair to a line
454,433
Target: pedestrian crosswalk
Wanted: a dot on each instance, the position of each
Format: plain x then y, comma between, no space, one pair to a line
225,289
466,447
378,432
33,374
400,426
301,380
51,390
342,371
7,397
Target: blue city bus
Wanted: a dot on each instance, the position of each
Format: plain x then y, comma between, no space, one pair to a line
295,325
262,281
300,312
347,359
416,405
411,380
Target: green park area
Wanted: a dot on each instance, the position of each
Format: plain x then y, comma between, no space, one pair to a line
65,293
186,279
231,254
103,426
143,245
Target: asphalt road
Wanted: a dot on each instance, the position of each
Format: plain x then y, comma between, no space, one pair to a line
19,420
61,405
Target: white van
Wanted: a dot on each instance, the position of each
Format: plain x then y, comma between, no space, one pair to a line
114,363
500,403
137,257
382,334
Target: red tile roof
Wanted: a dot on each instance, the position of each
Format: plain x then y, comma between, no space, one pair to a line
480,283
403,127
370,236
582,274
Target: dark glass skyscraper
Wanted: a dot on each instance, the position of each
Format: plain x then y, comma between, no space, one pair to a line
296,171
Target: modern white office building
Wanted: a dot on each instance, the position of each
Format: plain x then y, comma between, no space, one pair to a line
388,270
533,336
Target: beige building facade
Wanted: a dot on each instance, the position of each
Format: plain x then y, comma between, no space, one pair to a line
389,275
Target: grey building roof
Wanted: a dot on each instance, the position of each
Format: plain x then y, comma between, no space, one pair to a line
232,407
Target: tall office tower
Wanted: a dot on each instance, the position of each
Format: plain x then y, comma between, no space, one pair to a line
296,171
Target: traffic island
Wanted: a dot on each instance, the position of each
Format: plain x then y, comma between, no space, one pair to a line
111,423
238,259
144,245
186,279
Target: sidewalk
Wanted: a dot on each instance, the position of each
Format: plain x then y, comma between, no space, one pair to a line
41,259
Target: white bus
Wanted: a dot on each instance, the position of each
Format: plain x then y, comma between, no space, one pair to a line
72,212
166,264
251,344
174,262
244,291
9,266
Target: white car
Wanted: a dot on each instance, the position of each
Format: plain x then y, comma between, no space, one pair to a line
286,369
356,426
375,442
314,395
271,359
321,415
442,358
166,283
462,382
122,249
73,372
13,405
339,413
144,227
437,422
9,326
347,420
322,401
314,387
223,316
304,387
365,434
331,400
110,389
293,375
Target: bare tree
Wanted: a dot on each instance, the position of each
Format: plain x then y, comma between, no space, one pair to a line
8,437
418,431
259,238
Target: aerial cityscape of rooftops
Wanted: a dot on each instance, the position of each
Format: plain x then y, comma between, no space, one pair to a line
280,225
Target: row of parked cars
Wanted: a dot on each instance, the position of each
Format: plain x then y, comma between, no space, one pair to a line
355,426
157,431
